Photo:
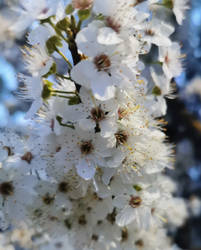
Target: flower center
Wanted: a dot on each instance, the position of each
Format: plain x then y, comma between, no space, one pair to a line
27,157
63,187
113,24
124,234
6,188
121,137
94,237
121,113
97,114
149,32
139,243
102,62
86,147
135,201
82,220
47,199
112,216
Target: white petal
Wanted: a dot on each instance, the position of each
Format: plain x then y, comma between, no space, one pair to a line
126,216
81,73
107,175
35,106
102,87
120,201
86,124
108,127
85,169
108,36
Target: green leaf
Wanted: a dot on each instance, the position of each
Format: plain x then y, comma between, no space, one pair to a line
84,14
69,9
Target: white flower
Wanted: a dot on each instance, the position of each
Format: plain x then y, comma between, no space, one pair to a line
179,9
10,145
38,63
47,120
120,21
32,91
96,115
88,174
84,150
105,68
15,195
170,57
160,90
136,207
157,32
40,35
29,11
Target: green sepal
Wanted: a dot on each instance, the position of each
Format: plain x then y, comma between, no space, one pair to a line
52,43
46,92
156,91
69,9
137,188
168,4
60,121
84,14
63,24
52,70
74,100
46,20
100,17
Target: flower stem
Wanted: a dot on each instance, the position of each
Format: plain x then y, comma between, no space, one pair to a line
63,92
65,58
62,96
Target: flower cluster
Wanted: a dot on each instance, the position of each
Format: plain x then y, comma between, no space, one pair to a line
90,173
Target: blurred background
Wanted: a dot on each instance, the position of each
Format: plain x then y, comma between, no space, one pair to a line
184,112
